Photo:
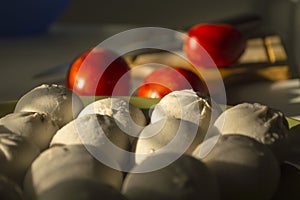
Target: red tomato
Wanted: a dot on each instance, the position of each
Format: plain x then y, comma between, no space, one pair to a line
223,42
166,79
96,73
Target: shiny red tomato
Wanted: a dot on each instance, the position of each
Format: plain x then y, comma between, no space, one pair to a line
166,79
97,72
223,42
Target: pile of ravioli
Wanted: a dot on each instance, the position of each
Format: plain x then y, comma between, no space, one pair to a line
186,147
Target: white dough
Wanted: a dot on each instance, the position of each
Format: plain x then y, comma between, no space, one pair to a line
185,178
81,189
260,122
57,100
99,131
66,163
168,135
187,105
129,117
9,190
16,155
38,128
245,168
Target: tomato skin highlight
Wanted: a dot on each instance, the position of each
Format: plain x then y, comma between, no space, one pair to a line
153,90
164,80
96,73
223,42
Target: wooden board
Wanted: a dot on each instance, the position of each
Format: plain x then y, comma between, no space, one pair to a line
264,58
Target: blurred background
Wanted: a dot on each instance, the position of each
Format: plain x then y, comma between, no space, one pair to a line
39,35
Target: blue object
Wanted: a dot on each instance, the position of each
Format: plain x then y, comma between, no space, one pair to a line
29,17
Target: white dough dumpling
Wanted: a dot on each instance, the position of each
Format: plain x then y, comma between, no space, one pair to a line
38,128
60,102
66,163
187,105
99,131
130,118
245,168
81,189
9,190
168,135
258,121
16,155
185,178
